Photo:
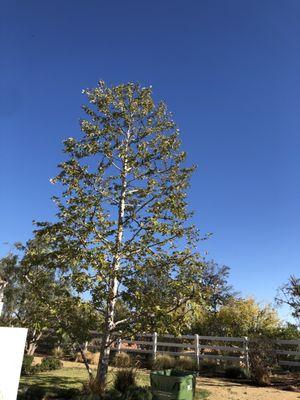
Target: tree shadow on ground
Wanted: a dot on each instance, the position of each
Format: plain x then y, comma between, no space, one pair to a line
50,382
290,384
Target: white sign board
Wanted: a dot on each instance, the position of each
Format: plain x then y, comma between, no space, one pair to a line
12,343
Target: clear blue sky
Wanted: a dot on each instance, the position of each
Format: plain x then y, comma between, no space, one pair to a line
229,71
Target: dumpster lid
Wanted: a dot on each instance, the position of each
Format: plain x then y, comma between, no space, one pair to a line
172,372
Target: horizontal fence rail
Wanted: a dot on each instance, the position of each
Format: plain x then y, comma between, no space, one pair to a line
290,350
201,348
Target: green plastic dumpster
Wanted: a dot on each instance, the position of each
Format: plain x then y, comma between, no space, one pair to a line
172,385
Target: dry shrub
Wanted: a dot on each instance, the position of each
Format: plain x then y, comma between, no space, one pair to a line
186,363
124,379
93,387
95,358
92,358
136,393
163,361
57,352
122,360
262,357
78,357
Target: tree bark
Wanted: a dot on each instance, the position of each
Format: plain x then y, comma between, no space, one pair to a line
32,344
31,349
113,284
85,361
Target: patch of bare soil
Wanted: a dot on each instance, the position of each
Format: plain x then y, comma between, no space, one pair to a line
224,389
66,364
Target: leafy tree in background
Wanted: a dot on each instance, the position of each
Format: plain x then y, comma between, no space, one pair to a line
122,221
290,294
239,317
40,299
214,291
214,286
26,297
247,317
288,331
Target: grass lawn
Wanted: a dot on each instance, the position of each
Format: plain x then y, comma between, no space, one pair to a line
73,375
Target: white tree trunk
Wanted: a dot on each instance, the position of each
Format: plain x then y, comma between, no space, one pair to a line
32,343
113,287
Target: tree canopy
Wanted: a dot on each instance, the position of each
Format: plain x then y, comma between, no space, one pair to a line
41,299
123,224
238,317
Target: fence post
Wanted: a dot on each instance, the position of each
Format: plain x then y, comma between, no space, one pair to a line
154,348
197,350
119,345
246,352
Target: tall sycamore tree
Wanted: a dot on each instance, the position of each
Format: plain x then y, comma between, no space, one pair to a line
122,230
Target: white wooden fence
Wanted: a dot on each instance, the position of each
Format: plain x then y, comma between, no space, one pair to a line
201,348
289,349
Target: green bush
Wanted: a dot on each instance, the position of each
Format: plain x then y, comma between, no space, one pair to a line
186,363
35,393
235,372
163,361
112,394
65,394
138,393
122,360
41,393
289,368
27,367
50,364
124,379
47,364
208,366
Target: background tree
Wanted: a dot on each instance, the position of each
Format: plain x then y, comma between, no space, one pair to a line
27,296
41,299
214,286
288,331
238,317
213,291
290,294
123,212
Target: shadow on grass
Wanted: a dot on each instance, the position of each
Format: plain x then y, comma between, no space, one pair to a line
52,382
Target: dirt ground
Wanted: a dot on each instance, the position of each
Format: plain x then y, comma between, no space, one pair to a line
222,389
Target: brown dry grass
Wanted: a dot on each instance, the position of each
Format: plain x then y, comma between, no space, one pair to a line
223,389
93,358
